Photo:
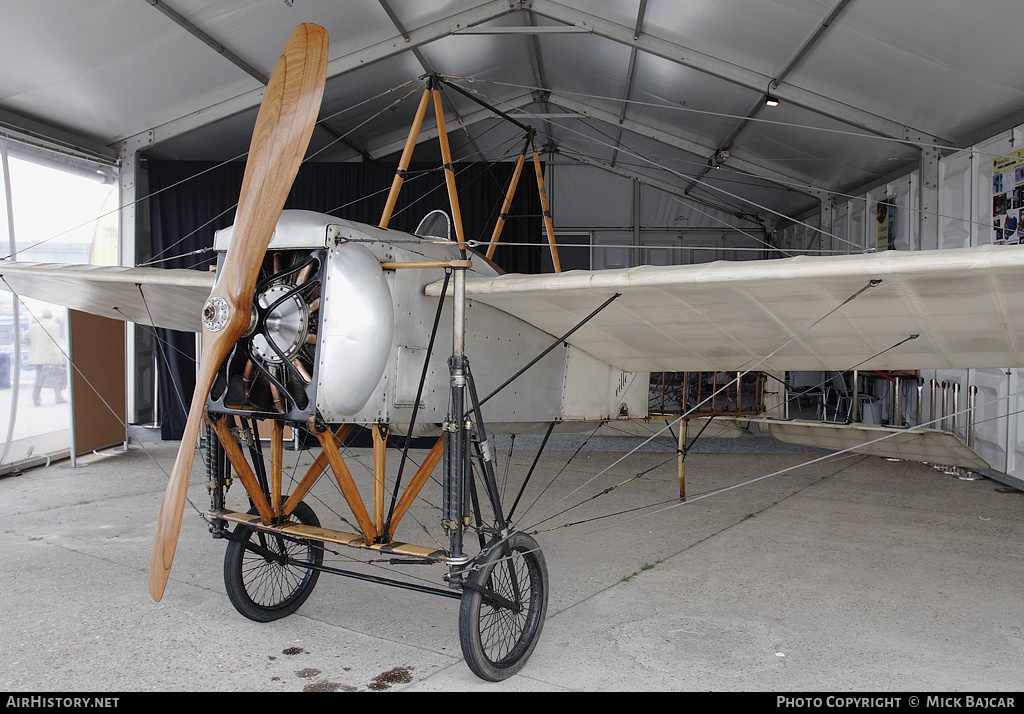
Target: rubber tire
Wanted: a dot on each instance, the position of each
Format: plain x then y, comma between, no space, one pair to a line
246,572
490,657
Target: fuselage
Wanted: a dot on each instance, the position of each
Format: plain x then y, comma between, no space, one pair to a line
376,325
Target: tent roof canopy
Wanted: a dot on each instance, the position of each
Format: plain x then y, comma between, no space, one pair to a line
656,88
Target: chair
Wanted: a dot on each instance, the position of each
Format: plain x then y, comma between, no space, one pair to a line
839,396
806,388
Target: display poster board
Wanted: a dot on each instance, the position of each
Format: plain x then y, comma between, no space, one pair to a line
1008,198
885,223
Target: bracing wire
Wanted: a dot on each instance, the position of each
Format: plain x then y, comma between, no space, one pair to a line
672,504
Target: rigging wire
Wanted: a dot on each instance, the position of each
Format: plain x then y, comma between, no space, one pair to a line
798,335
707,423
304,160
827,458
214,167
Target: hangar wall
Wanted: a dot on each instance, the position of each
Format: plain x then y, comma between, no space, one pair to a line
965,218
624,223
632,224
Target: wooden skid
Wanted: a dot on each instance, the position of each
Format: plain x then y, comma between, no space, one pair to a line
328,535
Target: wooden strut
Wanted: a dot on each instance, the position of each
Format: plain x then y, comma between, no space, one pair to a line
380,443
416,484
403,162
681,459
506,204
330,456
242,468
347,485
314,472
389,265
549,227
449,170
276,456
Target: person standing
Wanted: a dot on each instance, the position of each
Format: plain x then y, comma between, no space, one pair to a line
45,354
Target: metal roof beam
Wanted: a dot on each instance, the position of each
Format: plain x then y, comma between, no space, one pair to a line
630,70
791,182
722,69
227,54
194,30
339,66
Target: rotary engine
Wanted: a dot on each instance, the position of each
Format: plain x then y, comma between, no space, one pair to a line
272,370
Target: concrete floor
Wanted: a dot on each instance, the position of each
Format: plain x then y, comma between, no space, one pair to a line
854,575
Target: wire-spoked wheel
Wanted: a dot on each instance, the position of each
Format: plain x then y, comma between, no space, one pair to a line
266,574
503,607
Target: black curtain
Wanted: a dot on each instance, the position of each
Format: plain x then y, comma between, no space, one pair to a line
190,200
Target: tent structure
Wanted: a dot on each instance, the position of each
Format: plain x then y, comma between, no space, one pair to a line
671,93
761,113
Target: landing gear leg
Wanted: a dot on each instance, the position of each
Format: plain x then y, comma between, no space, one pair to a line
504,588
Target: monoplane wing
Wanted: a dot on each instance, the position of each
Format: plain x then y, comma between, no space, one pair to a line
170,298
964,305
914,444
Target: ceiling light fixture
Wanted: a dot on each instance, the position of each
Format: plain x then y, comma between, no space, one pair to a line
769,100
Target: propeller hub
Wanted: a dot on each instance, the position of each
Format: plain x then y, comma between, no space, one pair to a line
215,314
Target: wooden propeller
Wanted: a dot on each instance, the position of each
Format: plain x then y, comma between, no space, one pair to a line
283,128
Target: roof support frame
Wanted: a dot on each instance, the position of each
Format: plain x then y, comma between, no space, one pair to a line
340,66
198,33
802,52
584,108
540,78
630,70
722,69
227,54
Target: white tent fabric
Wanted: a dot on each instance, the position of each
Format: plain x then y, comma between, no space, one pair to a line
660,87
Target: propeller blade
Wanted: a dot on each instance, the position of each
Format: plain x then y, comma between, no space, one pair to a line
283,128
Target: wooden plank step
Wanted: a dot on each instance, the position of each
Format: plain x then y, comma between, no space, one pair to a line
327,535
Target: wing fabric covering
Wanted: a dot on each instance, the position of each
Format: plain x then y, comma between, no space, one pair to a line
964,305
914,444
172,299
